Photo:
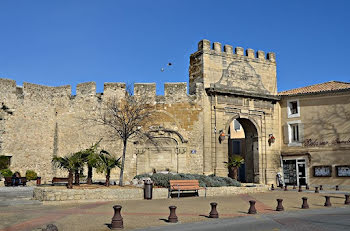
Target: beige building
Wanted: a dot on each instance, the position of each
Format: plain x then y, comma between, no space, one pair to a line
231,107
316,125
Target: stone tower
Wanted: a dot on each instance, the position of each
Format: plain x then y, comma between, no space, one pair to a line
238,85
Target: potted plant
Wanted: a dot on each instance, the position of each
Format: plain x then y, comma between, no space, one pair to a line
233,164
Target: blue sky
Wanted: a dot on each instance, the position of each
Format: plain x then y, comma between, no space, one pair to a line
68,42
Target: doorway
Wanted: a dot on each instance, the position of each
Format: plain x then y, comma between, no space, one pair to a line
294,171
243,141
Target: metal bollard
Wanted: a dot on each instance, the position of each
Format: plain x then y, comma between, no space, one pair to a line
316,190
252,209
328,201
213,213
285,188
337,187
272,187
321,187
279,205
305,205
307,187
347,201
300,189
172,217
294,187
117,219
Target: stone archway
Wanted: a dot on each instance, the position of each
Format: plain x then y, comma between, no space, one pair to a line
249,148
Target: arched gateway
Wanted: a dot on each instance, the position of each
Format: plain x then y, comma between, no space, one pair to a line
246,145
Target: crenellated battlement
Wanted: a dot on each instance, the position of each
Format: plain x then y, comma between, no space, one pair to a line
216,48
172,91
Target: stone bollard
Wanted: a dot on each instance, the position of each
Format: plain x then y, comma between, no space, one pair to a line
272,187
328,201
294,187
305,205
117,219
285,188
213,213
337,187
279,205
50,227
307,187
321,187
347,201
316,190
38,181
252,209
172,217
300,189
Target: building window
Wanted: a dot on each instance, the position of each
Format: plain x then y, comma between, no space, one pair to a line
293,108
294,132
236,125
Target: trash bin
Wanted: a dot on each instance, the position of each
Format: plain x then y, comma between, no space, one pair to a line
38,180
147,189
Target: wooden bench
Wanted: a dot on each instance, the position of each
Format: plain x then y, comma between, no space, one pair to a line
59,180
8,181
184,185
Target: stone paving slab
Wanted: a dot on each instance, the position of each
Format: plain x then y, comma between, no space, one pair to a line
152,213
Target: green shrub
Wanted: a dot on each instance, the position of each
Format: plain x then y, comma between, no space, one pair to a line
4,162
31,175
162,180
6,172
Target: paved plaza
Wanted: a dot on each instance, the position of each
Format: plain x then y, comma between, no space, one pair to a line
142,214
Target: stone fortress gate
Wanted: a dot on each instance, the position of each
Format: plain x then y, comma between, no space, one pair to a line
193,130
239,86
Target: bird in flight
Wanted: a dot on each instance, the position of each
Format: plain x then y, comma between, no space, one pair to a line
168,65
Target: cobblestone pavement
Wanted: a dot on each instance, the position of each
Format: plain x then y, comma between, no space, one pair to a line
139,214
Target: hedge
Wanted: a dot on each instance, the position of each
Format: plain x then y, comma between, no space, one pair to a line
162,180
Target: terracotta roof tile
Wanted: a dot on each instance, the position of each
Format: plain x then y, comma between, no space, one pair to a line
321,87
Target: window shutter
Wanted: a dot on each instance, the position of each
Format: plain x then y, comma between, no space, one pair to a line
301,132
285,134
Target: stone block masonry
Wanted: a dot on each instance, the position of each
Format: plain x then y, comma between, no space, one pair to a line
48,121
105,194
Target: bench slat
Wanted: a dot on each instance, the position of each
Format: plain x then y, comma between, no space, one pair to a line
180,181
185,188
184,185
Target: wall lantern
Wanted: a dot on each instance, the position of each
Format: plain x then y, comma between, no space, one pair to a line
271,139
221,136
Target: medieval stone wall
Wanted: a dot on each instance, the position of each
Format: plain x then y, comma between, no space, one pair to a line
48,121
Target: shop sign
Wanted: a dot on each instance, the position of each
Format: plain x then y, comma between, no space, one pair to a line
316,143
322,171
343,170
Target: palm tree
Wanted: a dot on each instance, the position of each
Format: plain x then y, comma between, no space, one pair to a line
91,157
70,163
233,163
79,160
106,163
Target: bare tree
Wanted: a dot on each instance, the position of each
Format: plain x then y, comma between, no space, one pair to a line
126,119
